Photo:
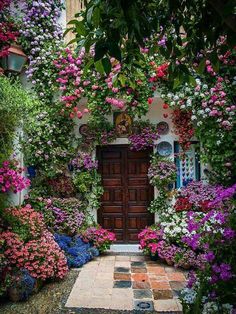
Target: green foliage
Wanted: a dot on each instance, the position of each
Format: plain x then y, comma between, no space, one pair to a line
160,203
14,101
119,28
88,185
218,149
48,139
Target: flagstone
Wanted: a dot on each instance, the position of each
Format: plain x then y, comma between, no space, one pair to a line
176,276
139,277
168,305
122,276
120,282
161,285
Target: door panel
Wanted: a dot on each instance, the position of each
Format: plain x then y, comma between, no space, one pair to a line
127,192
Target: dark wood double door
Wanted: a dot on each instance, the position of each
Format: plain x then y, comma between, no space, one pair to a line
127,192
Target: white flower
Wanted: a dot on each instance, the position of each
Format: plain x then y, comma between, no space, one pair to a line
182,107
198,81
193,118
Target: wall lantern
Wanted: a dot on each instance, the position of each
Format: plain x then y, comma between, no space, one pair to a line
15,60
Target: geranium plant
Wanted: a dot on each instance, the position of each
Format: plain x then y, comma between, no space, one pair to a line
11,177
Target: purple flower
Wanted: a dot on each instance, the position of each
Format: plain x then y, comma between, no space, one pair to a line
210,256
229,233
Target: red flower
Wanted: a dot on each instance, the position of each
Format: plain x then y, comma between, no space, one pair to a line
150,100
165,106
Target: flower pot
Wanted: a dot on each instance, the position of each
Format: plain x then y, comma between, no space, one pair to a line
169,262
14,294
38,285
185,266
154,257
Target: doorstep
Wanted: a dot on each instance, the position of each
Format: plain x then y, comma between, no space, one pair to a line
125,248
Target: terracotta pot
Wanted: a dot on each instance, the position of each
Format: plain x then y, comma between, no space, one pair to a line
169,262
185,266
38,285
14,294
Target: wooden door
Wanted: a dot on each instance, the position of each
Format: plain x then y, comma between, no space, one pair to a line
127,192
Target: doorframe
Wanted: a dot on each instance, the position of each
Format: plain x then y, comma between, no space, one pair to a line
120,141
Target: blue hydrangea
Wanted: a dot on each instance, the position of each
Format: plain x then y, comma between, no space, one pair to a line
76,250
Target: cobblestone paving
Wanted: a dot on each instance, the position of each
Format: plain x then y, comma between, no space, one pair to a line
127,283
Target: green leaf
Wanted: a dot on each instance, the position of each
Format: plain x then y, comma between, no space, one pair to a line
96,16
89,14
88,65
176,83
99,66
67,31
80,28
100,50
114,50
201,66
73,22
106,65
122,78
73,41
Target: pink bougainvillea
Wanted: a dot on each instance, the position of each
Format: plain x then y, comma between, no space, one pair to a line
11,179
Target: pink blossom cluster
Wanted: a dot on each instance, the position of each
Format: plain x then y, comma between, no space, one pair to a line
99,237
27,216
115,102
11,178
42,257
4,3
109,80
219,106
70,69
149,240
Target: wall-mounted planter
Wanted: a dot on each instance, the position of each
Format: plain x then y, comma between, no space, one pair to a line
31,171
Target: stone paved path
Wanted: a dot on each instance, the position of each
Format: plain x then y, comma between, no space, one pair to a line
125,282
